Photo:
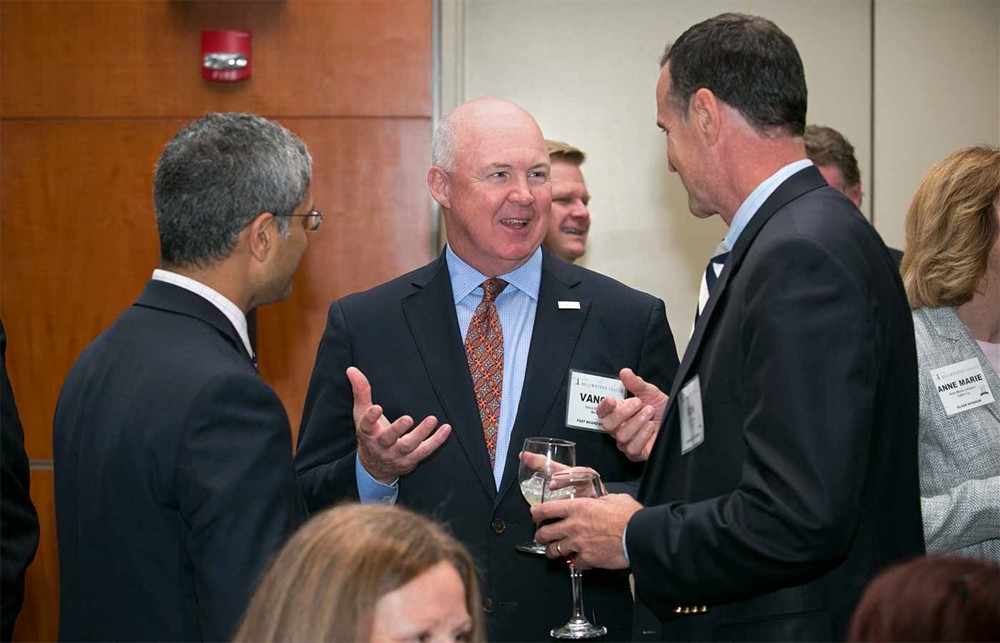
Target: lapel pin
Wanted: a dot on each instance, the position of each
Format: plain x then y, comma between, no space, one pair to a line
569,305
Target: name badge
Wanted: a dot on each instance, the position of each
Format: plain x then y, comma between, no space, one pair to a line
962,386
692,421
586,390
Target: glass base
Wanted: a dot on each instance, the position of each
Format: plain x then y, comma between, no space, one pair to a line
532,548
578,629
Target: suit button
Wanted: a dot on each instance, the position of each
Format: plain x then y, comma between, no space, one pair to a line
498,526
488,605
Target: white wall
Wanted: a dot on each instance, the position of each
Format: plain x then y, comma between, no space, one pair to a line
937,88
587,70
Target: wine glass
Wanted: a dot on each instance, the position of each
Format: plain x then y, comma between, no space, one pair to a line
531,476
572,484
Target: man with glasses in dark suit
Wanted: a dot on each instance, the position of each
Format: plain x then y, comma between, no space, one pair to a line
173,467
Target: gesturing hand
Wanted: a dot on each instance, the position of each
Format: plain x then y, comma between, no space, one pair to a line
389,450
634,422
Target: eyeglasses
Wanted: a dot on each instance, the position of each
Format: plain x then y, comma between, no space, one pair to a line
311,220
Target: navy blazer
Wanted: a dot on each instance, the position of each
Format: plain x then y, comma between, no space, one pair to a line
18,519
404,336
806,483
173,473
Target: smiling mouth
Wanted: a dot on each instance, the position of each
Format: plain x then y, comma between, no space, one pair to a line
516,224
573,231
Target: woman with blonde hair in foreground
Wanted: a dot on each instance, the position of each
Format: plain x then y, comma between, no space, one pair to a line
951,271
367,573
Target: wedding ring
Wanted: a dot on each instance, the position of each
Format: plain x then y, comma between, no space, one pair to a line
559,549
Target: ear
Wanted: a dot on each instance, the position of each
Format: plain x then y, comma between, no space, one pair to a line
855,195
705,110
262,234
437,181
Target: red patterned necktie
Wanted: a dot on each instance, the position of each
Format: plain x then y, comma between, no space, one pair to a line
484,352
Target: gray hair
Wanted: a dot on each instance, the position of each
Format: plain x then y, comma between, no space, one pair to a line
443,145
216,176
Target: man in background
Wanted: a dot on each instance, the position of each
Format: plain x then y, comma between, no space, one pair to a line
570,221
784,473
834,157
425,387
173,459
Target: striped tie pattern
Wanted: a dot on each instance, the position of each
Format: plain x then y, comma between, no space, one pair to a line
484,352
711,274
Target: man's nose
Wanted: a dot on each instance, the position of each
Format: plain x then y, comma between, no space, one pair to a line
521,194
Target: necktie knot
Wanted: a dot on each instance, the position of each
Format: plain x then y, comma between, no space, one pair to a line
715,266
492,288
710,276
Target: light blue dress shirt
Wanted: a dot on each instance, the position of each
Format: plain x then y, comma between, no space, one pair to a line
516,307
756,199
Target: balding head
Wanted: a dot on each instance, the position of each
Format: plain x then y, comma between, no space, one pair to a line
491,176
484,116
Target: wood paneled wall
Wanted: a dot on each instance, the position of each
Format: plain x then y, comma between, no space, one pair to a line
90,91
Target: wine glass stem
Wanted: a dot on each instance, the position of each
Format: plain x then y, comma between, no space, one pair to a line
576,578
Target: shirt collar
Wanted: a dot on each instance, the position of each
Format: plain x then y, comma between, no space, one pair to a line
465,278
756,199
227,307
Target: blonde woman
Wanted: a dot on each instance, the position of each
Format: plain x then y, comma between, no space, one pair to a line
367,573
951,271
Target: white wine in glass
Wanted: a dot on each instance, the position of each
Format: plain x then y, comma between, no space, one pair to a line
553,454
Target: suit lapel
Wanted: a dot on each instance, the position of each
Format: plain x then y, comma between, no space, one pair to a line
430,313
168,297
553,339
803,181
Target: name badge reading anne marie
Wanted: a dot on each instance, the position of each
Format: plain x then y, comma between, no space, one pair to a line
586,390
962,386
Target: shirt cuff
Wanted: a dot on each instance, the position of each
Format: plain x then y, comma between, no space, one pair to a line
370,490
624,546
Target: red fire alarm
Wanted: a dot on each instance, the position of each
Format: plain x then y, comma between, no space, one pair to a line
225,55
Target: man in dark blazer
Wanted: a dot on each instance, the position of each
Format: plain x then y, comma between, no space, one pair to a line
404,343
173,459
833,156
18,519
784,474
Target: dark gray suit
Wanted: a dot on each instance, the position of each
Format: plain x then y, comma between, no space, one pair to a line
404,336
174,477
806,483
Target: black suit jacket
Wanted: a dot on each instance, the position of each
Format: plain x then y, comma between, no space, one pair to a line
18,520
404,336
174,477
806,483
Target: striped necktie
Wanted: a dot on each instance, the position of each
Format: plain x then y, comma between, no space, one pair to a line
484,352
708,278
